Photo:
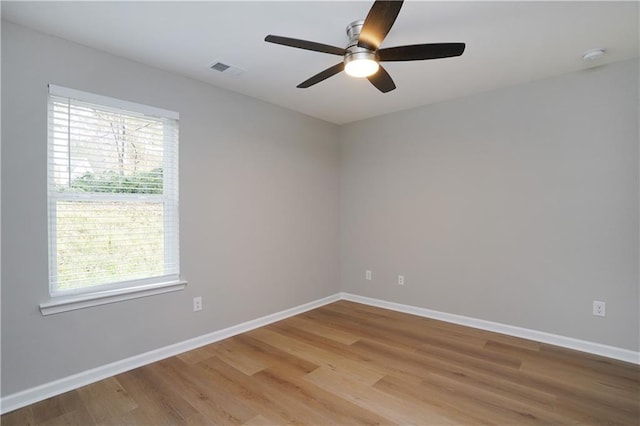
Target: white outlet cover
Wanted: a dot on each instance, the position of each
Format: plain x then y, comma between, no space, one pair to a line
599,308
197,304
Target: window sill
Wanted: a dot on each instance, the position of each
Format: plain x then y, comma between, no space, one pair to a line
71,303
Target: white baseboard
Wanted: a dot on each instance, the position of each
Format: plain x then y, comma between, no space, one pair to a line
57,387
525,333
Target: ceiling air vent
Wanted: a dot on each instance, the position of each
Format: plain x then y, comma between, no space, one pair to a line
226,69
219,66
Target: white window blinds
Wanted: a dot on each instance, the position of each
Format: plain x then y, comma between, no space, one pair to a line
113,193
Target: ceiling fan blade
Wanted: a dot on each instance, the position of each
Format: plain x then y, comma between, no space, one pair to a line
304,44
418,52
378,23
321,76
382,80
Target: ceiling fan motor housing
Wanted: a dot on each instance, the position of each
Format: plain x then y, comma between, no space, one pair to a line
355,52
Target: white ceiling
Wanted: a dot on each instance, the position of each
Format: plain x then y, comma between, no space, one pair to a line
507,43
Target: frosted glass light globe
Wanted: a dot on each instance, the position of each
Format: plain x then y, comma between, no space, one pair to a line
361,67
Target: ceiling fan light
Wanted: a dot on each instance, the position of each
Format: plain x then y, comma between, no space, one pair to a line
361,67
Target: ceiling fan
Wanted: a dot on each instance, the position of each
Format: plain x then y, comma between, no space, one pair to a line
363,55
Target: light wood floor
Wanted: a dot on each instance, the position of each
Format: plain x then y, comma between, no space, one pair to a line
347,363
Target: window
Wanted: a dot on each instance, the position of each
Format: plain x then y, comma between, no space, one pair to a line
112,195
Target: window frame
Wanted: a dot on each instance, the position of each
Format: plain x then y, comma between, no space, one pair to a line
70,299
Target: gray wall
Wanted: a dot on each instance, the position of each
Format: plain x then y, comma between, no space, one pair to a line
518,205
258,204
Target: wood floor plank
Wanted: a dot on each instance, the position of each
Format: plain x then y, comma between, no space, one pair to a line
196,355
365,329
350,364
568,387
414,364
20,417
566,363
605,384
237,357
337,410
411,388
50,409
76,417
259,394
395,410
162,404
381,324
481,363
322,330
258,420
239,385
520,409
319,356
345,352
211,401
105,399
272,356
431,326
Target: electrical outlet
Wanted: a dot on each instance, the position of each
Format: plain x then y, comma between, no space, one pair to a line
367,275
197,303
599,308
400,279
